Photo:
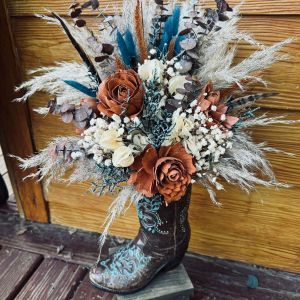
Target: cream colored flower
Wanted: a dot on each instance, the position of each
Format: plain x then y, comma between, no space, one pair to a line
140,141
110,140
122,157
150,68
182,127
177,82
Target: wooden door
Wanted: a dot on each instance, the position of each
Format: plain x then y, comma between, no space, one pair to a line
262,227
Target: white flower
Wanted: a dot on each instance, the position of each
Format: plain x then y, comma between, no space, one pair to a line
150,68
122,157
182,127
176,82
110,140
140,141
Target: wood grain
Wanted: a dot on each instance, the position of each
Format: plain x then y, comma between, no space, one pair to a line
53,280
15,137
255,7
39,44
15,269
258,228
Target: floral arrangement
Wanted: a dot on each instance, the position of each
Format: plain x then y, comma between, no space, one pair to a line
158,102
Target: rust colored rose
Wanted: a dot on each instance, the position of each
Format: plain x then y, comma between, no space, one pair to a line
121,94
167,171
210,103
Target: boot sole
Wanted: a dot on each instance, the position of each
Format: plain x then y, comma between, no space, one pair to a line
168,266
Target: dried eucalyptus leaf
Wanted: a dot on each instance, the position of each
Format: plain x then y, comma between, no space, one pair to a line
101,58
80,115
192,54
80,23
74,5
86,4
67,107
107,48
185,31
188,44
189,87
181,91
174,102
223,6
67,117
95,4
223,17
80,124
186,66
76,13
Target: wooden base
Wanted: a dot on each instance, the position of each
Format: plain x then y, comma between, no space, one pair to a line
174,284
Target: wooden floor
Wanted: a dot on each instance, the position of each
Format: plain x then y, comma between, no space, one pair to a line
50,262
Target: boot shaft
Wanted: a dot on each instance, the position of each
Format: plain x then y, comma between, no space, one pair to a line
164,226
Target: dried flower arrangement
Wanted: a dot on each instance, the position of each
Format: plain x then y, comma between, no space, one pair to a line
157,102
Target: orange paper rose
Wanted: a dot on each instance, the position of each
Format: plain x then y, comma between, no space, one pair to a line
210,103
121,94
167,171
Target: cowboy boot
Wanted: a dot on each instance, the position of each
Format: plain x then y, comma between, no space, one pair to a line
161,243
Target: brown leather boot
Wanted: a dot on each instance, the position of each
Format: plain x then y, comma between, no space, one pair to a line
160,245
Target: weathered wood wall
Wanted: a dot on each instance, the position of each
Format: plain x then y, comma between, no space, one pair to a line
262,227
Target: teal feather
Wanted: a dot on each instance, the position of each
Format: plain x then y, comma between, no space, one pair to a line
131,48
170,30
127,48
125,55
83,89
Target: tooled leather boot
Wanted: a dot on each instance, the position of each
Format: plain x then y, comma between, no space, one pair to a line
160,245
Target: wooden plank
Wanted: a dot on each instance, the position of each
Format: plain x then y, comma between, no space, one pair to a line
177,281
53,280
15,135
40,43
87,291
264,7
220,279
212,278
75,245
15,268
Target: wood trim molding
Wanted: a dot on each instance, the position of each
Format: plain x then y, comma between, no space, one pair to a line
15,135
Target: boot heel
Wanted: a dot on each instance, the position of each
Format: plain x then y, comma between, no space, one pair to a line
172,264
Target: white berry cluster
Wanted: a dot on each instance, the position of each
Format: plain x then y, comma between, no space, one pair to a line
109,142
207,144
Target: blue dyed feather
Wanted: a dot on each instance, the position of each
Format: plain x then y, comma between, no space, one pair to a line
125,55
175,21
170,30
78,86
130,44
